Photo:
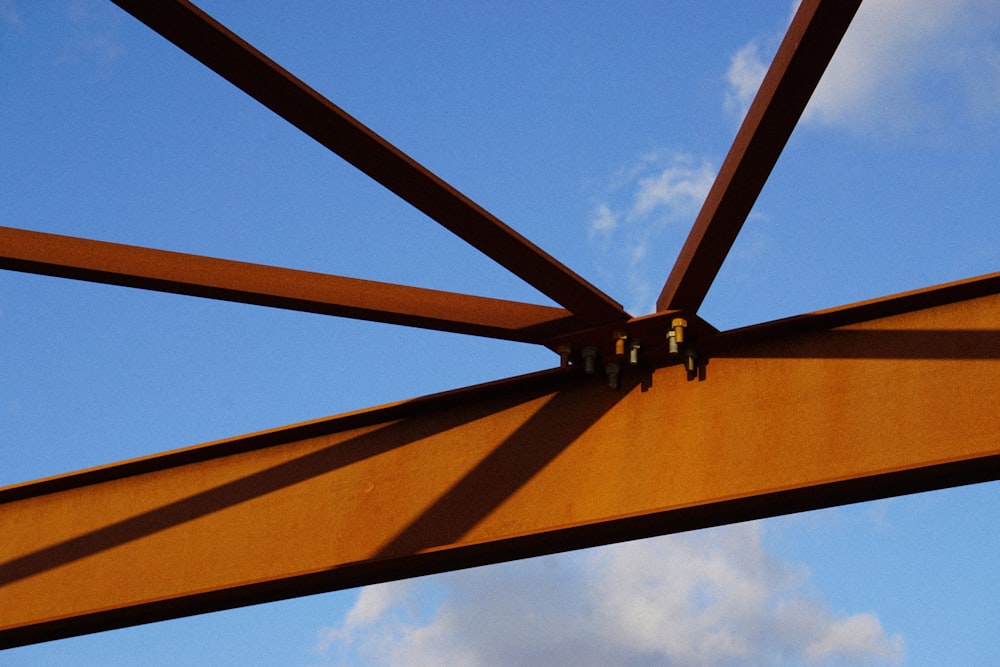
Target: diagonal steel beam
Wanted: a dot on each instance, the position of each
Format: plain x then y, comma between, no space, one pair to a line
242,282
518,468
802,57
218,48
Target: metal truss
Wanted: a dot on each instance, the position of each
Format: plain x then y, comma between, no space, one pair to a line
708,427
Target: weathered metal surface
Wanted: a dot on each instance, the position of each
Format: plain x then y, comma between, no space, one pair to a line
802,57
525,467
163,271
719,343
888,397
215,46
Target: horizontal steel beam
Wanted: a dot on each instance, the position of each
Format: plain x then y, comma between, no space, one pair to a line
719,343
523,467
193,275
251,71
802,57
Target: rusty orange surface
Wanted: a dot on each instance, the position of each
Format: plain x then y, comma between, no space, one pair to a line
547,463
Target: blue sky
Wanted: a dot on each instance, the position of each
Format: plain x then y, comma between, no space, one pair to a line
592,128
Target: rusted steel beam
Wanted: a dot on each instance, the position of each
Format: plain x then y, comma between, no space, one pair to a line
523,467
227,280
801,59
218,48
719,343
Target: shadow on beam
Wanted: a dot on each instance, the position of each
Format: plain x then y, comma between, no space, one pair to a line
511,464
522,468
506,469
325,460
869,344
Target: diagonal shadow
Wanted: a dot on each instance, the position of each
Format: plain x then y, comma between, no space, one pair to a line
966,344
393,436
535,444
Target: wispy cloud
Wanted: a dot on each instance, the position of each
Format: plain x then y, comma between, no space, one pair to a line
746,70
643,217
893,67
707,598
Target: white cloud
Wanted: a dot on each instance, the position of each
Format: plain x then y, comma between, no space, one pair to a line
603,222
706,598
746,71
856,639
676,191
901,65
644,218
874,73
372,604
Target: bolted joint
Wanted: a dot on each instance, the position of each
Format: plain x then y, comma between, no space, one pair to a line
589,354
613,371
678,325
619,337
691,362
633,352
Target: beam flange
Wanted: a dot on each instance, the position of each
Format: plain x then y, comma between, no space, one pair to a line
798,65
218,48
520,468
243,282
720,343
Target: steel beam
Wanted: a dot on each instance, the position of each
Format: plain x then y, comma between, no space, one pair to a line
227,280
251,71
719,343
798,65
523,467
